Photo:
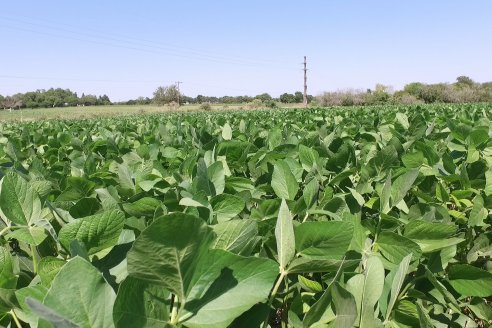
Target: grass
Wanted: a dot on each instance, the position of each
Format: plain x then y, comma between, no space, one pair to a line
27,114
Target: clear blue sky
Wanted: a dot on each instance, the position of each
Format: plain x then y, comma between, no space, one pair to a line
126,49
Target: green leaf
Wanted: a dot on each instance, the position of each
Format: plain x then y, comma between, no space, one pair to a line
201,181
18,202
345,307
284,234
306,265
309,285
432,245
424,319
420,229
478,137
397,283
371,290
84,207
216,175
48,268
145,206
310,193
96,232
283,181
167,249
320,312
381,162
224,286
37,292
470,281
141,304
478,213
226,206
30,235
236,236
384,197
413,160
54,318
395,248
308,157
402,185
8,279
126,179
324,239
79,294
227,132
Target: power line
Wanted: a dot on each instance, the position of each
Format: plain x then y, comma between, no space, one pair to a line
98,33
141,46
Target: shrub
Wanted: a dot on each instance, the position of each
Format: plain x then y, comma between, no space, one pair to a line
206,107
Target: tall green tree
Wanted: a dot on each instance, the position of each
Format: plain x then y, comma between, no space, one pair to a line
166,95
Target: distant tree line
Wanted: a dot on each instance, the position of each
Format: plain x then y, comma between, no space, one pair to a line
464,90
51,98
164,95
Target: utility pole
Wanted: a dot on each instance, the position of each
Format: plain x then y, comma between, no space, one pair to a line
304,98
179,94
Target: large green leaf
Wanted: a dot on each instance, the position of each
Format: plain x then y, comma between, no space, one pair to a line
395,247
227,132
8,279
19,202
402,185
283,181
80,294
224,286
201,181
420,229
96,232
141,304
216,175
345,307
324,240
284,233
470,281
398,279
165,253
236,236
308,157
226,206
367,289
213,286
145,206
320,312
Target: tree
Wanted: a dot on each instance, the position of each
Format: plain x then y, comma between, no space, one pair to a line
166,95
264,97
88,100
464,81
13,102
299,97
103,100
287,98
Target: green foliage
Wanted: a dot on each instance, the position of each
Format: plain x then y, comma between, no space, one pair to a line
365,217
166,95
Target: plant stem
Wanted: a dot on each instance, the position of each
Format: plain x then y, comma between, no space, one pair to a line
273,293
34,259
174,309
7,228
16,320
